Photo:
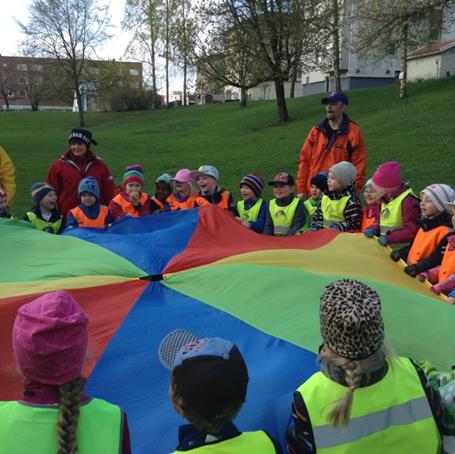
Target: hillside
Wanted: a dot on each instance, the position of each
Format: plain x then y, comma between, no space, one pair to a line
419,132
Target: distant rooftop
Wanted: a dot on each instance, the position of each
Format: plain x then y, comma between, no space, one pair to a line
433,48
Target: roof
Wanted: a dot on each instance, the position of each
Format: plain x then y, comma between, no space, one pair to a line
432,48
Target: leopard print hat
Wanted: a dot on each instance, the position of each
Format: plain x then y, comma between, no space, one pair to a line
351,320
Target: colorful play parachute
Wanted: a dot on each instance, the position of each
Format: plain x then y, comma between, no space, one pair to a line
203,271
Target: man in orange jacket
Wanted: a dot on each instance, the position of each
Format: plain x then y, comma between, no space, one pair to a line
334,139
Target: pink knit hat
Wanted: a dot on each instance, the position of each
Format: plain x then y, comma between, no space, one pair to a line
183,176
387,177
50,339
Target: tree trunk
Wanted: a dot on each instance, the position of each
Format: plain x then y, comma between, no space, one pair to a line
243,96
404,60
185,64
153,58
283,114
5,97
167,52
336,45
293,81
80,107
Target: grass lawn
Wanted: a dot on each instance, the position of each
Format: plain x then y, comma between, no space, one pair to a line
418,132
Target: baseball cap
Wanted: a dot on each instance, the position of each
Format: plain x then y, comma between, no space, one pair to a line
282,178
210,373
209,171
335,96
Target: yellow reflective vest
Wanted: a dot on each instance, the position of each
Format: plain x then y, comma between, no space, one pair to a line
250,215
246,443
390,416
26,429
391,214
282,217
333,210
40,224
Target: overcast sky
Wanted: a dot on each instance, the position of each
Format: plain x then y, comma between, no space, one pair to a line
10,34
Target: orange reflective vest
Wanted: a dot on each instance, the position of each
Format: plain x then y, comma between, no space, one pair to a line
84,221
366,221
448,262
158,202
223,203
176,204
425,243
127,206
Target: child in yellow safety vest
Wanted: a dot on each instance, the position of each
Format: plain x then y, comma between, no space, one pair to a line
286,214
45,215
208,387
443,277
251,211
131,201
54,415
317,188
4,211
399,207
89,213
430,242
340,207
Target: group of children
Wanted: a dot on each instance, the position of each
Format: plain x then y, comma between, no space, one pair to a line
419,232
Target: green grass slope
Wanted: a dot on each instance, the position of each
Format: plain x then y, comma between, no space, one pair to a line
418,132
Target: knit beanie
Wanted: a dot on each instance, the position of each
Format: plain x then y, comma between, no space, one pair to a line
351,320
134,173
387,177
254,182
320,181
344,172
40,190
165,178
90,185
50,339
440,195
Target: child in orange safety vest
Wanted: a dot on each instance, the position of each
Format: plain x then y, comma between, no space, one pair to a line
427,249
89,213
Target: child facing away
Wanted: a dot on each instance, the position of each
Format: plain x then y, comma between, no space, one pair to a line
251,211
44,215
340,207
158,202
399,207
317,188
371,211
131,201
430,242
208,388
54,415
89,213
183,196
286,214
210,192
4,211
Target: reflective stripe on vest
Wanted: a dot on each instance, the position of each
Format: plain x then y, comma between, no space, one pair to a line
46,226
310,207
26,429
250,215
426,243
282,217
366,221
84,221
158,202
391,214
127,206
175,204
448,262
333,210
247,442
223,203
393,412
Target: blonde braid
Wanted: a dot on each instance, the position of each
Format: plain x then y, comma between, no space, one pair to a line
70,399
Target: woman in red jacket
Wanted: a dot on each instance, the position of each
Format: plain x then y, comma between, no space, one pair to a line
75,164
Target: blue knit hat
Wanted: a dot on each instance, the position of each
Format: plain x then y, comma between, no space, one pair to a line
40,190
320,181
254,182
90,185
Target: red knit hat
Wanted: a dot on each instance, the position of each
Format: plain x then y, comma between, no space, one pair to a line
50,339
387,177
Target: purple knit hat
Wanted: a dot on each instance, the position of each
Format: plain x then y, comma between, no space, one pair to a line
50,339
254,182
387,177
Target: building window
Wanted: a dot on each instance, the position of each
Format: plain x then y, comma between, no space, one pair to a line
37,67
21,67
134,85
21,93
22,80
133,72
5,65
307,80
